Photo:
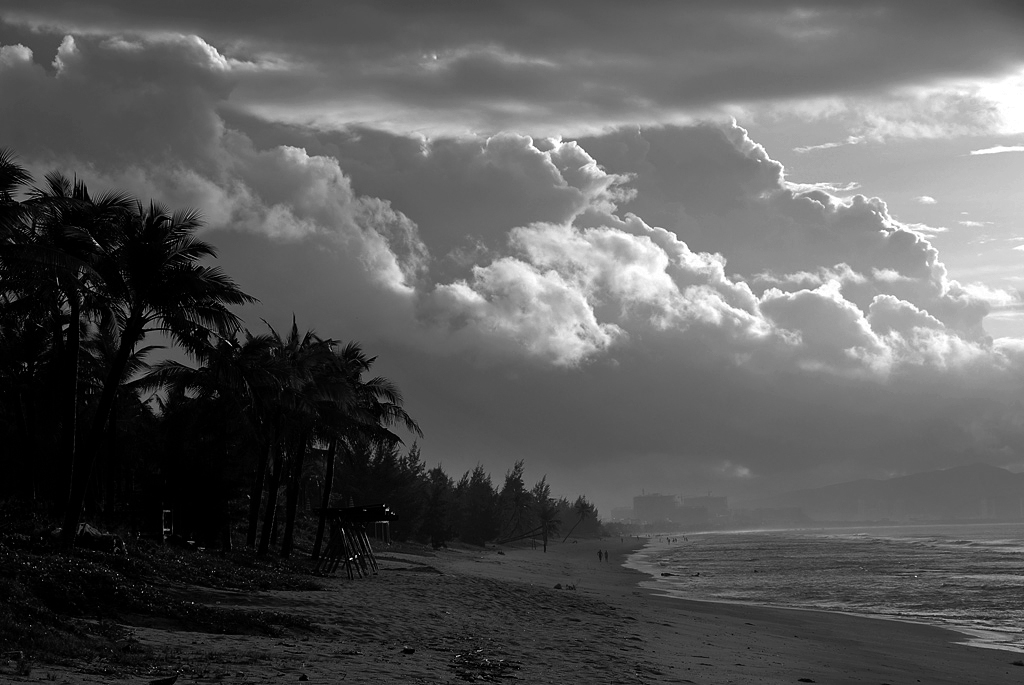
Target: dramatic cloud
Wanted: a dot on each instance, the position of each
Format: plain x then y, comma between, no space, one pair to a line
579,66
553,257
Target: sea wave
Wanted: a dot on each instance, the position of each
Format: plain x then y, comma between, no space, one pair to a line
965,577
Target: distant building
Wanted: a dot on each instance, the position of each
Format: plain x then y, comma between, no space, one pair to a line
651,508
715,506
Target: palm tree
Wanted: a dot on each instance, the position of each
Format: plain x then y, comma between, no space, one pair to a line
364,412
334,413
318,388
52,242
229,382
25,354
154,281
13,177
24,343
299,360
71,235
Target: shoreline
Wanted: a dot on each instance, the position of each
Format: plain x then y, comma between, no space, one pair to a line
968,635
791,643
495,614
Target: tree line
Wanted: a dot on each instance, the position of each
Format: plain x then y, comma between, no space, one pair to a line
258,431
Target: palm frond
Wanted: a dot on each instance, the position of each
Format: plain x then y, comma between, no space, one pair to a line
13,176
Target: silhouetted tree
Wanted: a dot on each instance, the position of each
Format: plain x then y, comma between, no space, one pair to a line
439,516
225,390
84,281
514,503
358,424
154,280
583,509
545,511
478,504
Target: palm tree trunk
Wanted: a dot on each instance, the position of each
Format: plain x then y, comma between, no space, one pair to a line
225,508
325,502
109,464
26,425
82,468
291,502
271,512
69,400
256,492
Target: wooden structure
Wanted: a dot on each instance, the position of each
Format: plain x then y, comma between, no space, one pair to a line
349,544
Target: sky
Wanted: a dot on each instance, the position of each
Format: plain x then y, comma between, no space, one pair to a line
733,247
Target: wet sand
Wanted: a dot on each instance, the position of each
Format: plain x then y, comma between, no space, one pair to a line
490,616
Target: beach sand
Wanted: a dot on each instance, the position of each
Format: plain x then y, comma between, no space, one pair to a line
496,616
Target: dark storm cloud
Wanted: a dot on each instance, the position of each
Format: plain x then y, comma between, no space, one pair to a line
533,65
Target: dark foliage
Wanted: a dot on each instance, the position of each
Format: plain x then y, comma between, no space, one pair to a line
241,444
57,605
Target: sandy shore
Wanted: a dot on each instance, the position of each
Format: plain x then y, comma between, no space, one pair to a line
489,616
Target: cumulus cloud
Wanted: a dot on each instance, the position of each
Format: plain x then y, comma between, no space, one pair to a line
145,118
655,295
512,303
926,199
830,330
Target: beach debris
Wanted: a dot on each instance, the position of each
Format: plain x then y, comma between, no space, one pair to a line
408,650
475,666
91,538
303,677
805,680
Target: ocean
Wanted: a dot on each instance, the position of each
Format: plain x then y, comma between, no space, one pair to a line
966,577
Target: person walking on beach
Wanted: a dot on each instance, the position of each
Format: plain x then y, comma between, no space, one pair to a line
599,555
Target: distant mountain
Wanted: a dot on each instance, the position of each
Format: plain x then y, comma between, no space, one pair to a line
974,492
